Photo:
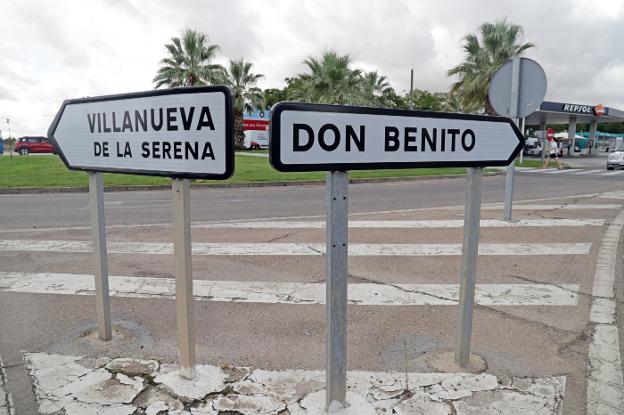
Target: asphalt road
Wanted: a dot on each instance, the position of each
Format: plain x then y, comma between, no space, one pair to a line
517,340
50,210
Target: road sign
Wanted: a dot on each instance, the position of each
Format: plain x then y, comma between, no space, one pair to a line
531,88
314,137
179,132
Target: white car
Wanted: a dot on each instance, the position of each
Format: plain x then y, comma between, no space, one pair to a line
615,159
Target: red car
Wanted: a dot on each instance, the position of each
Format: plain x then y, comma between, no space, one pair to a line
25,145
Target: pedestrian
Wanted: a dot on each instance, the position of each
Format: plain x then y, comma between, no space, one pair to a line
553,154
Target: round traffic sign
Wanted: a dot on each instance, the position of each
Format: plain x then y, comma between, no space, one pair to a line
531,88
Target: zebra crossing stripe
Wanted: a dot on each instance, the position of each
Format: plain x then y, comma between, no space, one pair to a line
303,249
539,171
293,292
485,223
499,206
588,171
562,171
613,173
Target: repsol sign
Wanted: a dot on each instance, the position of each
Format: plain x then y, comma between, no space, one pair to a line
578,109
307,137
180,132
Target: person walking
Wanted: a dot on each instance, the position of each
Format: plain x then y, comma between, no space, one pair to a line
553,154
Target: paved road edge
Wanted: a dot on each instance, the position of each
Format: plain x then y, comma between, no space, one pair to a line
605,385
40,190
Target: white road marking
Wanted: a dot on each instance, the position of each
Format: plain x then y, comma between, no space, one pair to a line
562,171
605,386
293,292
485,223
73,385
612,195
613,173
555,207
539,170
588,171
305,249
363,213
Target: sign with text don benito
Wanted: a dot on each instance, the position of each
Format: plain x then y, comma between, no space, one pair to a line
316,137
179,132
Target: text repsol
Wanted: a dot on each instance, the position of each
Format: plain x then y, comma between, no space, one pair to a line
329,137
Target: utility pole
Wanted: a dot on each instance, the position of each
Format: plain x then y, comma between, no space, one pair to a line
8,121
411,102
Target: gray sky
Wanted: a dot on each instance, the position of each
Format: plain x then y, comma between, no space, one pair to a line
56,50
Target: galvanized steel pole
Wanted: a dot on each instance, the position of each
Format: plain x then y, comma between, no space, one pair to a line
470,250
513,113
183,275
336,286
98,229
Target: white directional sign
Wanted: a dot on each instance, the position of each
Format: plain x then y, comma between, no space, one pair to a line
309,137
179,132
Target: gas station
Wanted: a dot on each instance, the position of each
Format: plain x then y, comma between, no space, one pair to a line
550,113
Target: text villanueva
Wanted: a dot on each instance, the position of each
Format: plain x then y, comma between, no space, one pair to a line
170,119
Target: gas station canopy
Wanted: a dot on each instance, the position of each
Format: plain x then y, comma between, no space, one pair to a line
562,113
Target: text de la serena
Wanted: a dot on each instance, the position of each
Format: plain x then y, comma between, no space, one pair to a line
169,119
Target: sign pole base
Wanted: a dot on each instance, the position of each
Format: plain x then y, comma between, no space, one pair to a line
470,249
336,286
98,226
183,275
509,189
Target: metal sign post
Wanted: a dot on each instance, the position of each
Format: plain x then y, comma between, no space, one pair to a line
336,263
513,114
468,276
98,228
516,90
335,139
182,133
183,275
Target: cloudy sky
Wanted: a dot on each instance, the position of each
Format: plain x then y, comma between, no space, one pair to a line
55,50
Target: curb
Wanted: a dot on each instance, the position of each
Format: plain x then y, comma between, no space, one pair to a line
142,188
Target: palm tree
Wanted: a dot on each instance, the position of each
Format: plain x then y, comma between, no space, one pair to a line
376,90
485,52
246,95
189,62
330,80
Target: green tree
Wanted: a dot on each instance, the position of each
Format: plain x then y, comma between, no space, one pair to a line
426,101
189,62
376,90
274,95
330,80
484,53
247,96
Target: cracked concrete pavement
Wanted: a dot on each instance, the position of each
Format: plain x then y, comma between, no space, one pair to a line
537,349
100,385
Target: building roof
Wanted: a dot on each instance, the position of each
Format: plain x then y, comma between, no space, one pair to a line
561,113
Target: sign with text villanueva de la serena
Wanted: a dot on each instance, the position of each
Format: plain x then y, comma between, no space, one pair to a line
316,137
179,132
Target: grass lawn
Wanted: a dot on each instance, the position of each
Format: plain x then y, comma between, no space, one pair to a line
49,171
537,163
529,162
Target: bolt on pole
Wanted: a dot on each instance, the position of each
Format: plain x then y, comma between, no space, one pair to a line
98,229
336,285
470,252
183,275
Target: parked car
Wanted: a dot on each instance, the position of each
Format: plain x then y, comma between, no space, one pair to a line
26,145
532,150
615,159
